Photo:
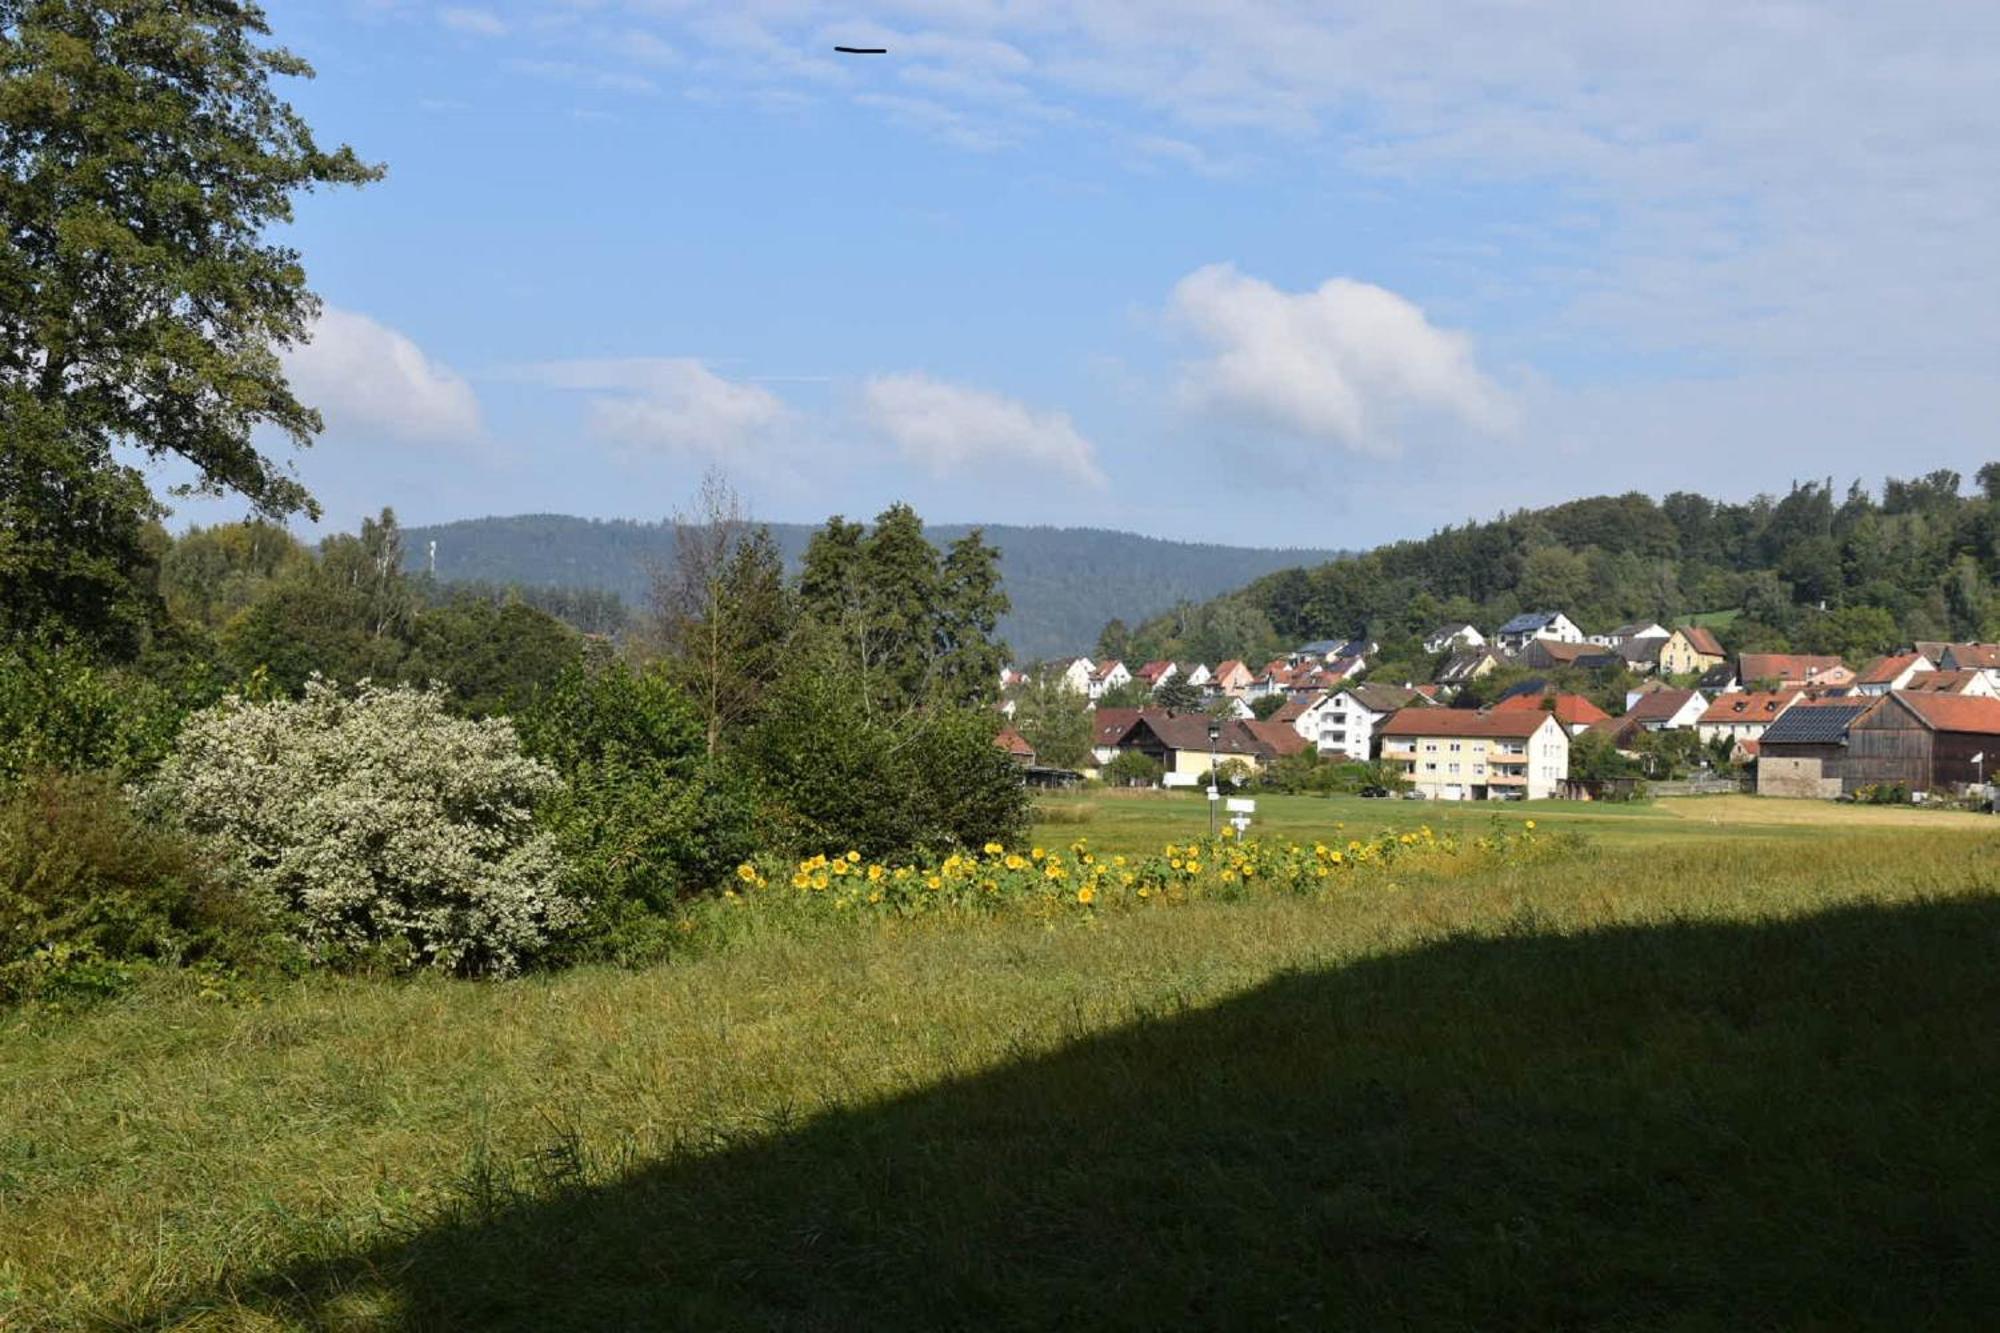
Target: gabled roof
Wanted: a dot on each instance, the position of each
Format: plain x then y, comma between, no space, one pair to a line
1572,710
1463,722
1455,628
1752,706
1278,738
1107,725
1954,712
1720,676
1809,723
1702,639
1884,670
1189,731
1106,667
1529,621
1635,628
1320,647
1461,664
1574,654
1785,666
1232,665
1014,743
1940,682
1292,710
1382,698
1659,706
1966,656
1646,649
1154,670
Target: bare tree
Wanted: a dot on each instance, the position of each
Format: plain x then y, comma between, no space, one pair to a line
721,613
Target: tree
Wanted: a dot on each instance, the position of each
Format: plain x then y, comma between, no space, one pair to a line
143,157
1132,694
1178,694
493,660
1267,705
970,604
1055,720
1132,768
350,614
721,610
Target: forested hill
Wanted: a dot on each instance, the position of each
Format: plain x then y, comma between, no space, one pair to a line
1065,583
1816,570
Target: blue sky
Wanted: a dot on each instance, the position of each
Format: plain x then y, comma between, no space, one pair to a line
1236,270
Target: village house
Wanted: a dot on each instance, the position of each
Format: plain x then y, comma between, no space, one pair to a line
1077,675
1718,679
1624,634
1180,743
1887,674
1923,743
1466,665
1689,650
1641,654
1109,675
1015,746
1455,754
1573,711
1523,629
1547,654
1797,671
1107,726
1975,683
1197,676
1743,715
1666,710
1454,637
1232,678
1803,753
1344,722
1981,657
1155,674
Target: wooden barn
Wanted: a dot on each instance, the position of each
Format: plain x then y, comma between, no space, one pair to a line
1923,742
1804,751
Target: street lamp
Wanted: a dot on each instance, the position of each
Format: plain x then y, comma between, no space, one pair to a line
1214,735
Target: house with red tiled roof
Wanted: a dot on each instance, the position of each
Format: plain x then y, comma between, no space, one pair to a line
1792,670
1575,712
1922,742
1155,674
1233,679
1016,747
1981,657
1743,714
1456,754
1181,744
1107,727
1891,673
1667,710
1975,683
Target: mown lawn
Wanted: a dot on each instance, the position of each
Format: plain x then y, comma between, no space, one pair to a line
1699,1082
1142,820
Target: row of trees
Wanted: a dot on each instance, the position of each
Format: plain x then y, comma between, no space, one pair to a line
1816,570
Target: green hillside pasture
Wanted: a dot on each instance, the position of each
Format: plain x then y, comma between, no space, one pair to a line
1687,1083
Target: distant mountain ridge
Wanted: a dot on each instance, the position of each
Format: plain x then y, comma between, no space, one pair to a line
1065,582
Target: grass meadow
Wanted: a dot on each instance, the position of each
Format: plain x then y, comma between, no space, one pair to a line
1730,1065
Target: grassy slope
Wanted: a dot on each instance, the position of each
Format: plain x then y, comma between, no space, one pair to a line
1693,1082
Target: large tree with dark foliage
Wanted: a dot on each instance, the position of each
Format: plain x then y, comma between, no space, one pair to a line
144,157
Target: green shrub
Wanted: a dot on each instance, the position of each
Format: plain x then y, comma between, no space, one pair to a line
835,773
383,825
644,818
85,886
1132,768
60,711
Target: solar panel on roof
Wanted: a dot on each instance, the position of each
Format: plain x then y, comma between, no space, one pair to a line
1814,724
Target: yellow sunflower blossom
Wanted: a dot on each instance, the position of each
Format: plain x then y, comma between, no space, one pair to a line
1086,895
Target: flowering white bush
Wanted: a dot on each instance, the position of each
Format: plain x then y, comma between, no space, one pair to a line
376,818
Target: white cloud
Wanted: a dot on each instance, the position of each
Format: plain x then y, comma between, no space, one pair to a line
1345,363
948,428
364,375
674,405
476,22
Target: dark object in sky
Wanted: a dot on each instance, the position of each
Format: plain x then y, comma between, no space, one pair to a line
863,50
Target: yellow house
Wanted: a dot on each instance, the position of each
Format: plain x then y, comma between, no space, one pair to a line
1455,754
1691,650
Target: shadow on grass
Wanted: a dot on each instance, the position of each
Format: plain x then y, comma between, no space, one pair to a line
1696,1126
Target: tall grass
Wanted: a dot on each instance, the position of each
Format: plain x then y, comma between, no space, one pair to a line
1699,1085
